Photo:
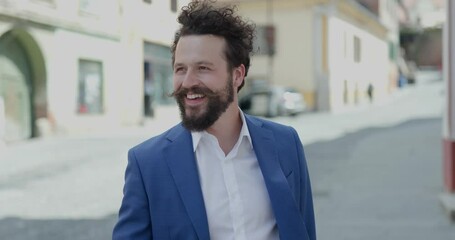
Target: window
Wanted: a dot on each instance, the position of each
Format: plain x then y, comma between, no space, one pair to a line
265,40
159,72
357,49
90,92
174,5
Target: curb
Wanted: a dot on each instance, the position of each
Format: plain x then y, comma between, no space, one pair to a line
448,204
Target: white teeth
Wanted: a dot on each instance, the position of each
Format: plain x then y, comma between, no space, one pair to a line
194,96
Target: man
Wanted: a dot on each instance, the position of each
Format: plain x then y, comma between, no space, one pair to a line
220,174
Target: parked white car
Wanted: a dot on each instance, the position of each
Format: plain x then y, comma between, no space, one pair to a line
272,101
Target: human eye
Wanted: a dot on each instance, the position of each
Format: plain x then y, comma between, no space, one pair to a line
204,68
178,69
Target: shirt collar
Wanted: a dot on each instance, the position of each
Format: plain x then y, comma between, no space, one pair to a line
244,132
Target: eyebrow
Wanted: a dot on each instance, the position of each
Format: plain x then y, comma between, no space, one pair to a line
197,63
204,63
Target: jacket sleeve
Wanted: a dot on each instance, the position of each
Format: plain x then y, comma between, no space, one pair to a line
134,217
306,197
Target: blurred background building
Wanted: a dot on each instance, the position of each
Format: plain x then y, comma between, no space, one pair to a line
331,51
421,31
72,66
69,66
342,53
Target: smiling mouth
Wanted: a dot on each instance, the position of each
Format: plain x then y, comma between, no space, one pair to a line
194,99
194,96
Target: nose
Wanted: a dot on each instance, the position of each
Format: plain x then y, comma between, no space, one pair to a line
190,79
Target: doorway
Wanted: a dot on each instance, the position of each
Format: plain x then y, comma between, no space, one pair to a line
22,85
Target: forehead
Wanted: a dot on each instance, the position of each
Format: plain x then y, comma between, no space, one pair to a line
197,48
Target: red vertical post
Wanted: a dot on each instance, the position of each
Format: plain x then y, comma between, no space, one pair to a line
449,113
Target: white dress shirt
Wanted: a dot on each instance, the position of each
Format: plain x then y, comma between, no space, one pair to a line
235,196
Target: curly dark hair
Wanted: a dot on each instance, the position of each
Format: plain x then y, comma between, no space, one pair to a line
202,17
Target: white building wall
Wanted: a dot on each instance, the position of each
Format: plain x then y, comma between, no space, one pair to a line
111,32
372,67
5,27
157,23
63,77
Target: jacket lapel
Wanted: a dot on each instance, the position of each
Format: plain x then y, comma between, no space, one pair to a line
289,221
182,163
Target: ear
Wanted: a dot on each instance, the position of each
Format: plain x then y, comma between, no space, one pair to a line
238,75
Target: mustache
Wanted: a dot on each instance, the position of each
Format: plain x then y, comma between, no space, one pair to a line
182,92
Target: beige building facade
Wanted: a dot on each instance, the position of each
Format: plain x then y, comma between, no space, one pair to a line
330,50
76,66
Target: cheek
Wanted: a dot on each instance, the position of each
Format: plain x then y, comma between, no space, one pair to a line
176,83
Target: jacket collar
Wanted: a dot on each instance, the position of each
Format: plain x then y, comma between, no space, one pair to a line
180,158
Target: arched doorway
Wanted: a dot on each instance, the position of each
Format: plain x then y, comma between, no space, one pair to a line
22,84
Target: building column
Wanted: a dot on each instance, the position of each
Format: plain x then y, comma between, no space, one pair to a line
448,134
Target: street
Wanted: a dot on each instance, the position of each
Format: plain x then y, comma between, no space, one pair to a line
376,173
381,183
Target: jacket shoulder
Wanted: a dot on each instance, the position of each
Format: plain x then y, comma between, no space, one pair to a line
281,133
270,125
156,144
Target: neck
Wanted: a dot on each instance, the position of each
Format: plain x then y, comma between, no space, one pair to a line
227,128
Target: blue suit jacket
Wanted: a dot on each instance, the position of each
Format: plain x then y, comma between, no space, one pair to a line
163,198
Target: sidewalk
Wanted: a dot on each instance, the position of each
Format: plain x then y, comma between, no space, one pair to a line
414,102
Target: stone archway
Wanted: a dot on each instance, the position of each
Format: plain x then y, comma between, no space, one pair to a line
22,84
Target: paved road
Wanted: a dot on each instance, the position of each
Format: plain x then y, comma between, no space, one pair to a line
381,183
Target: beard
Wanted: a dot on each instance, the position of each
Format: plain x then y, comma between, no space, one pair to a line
200,118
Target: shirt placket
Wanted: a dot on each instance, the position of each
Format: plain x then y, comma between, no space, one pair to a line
236,206
235,200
